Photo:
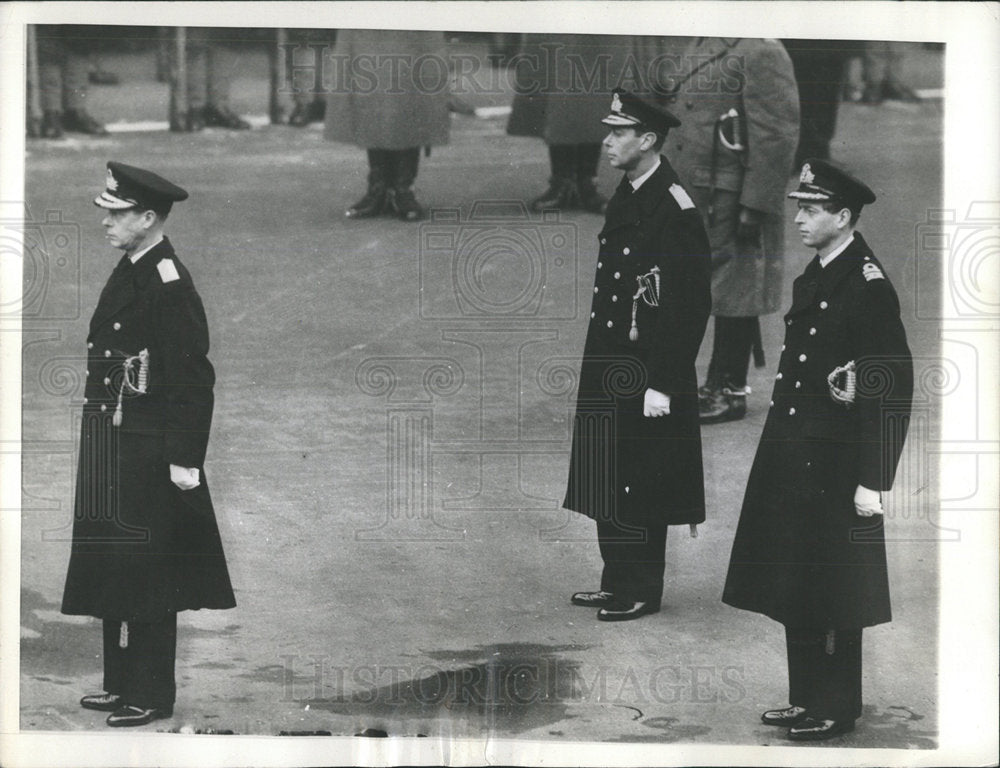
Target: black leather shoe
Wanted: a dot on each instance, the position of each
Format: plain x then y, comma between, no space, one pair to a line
812,729
619,611
52,125
786,717
300,116
220,117
719,407
592,599
102,702
130,715
81,121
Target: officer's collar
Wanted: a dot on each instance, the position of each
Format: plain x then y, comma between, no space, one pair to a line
824,261
143,269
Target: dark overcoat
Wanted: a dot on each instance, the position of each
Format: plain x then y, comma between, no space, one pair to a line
802,555
563,83
388,89
626,466
754,77
143,548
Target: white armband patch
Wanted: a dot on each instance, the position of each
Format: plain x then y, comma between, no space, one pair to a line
168,272
871,271
681,197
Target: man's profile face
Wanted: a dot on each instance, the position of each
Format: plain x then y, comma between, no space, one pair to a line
817,226
623,146
125,229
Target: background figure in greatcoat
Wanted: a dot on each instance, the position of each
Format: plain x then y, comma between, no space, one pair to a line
385,98
739,111
561,84
636,465
810,546
145,540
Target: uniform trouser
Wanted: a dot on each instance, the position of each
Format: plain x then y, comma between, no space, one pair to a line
634,559
62,70
143,673
731,347
827,685
210,67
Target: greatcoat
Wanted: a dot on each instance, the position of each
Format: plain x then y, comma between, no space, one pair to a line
388,89
142,548
755,78
563,83
625,466
802,555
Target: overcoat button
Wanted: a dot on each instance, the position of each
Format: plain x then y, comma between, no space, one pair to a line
87,372
106,381
599,265
812,331
617,275
626,489
809,463
614,298
107,353
85,401
789,321
626,251
604,241
798,385
802,358
593,314
595,289
610,324
771,404
90,345
782,347
791,411
823,305
780,376
117,326
104,408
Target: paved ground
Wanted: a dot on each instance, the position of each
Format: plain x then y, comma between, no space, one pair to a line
389,452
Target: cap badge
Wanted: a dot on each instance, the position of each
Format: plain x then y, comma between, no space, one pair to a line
807,176
112,182
616,103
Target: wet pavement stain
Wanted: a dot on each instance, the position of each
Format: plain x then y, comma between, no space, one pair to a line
511,688
669,729
893,729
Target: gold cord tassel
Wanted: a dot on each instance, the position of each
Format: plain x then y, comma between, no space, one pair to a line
123,635
633,332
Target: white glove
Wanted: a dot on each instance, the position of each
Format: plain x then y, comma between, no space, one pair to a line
656,404
867,502
185,478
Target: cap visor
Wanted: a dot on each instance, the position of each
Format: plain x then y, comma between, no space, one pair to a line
104,200
619,120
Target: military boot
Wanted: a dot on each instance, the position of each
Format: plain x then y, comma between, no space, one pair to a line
587,158
374,201
400,197
562,192
729,404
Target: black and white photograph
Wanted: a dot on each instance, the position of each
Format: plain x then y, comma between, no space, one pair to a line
473,383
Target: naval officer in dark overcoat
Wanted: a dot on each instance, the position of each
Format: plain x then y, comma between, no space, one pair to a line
145,540
810,549
636,465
